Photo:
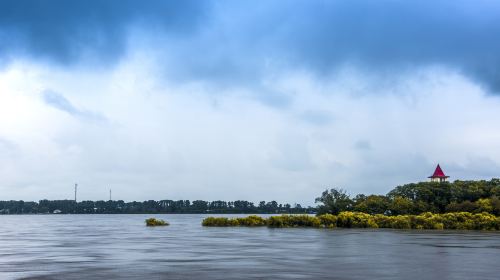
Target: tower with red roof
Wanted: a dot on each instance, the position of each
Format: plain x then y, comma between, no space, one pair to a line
438,175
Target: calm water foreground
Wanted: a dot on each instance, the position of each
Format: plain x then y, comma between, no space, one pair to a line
122,247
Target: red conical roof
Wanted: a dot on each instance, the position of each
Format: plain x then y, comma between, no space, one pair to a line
438,173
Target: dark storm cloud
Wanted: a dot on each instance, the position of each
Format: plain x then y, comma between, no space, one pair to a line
63,31
235,42
383,37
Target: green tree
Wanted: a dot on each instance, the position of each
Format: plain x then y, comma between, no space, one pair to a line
495,203
372,204
464,206
484,205
401,206
334,201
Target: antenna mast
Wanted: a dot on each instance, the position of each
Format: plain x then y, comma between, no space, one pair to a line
76,187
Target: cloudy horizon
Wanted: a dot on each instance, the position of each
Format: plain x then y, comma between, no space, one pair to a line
250,100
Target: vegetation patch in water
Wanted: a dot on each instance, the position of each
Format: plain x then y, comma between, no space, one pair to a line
153,222
250,221
458,220
293,221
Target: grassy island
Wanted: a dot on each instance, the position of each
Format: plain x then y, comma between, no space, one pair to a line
153,222
250,221
457,220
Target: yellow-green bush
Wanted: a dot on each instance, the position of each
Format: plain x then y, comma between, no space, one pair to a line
356,220
383,221
486,221
251,221
220,222
152,222
401,222
455,220
426,221
458,220
293,221
328,220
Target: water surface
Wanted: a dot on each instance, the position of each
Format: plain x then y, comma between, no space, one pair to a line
122,247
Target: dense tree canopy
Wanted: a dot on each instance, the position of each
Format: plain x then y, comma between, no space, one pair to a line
334,201
416,198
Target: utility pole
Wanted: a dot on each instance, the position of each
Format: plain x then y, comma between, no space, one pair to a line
76,187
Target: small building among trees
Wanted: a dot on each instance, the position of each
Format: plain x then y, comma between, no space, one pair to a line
439,175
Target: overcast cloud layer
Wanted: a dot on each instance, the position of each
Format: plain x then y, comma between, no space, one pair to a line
253,100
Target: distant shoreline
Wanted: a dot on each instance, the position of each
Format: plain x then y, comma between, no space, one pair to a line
156,213
149,207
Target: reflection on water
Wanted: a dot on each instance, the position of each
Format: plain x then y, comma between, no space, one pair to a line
122,247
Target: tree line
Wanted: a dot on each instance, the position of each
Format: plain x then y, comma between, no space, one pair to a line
416,198
147,207
410,199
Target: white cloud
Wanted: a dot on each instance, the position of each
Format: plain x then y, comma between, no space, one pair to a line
162,139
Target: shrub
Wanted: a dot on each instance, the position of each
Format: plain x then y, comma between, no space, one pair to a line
458,220
401,222
251,221
293,221
276,221
152,222
345,219
356,220
328,220
219,222
485,221
426,221
383,221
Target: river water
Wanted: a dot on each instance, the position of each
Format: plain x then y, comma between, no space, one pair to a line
122,247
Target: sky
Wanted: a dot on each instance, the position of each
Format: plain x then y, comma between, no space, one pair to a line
251,100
